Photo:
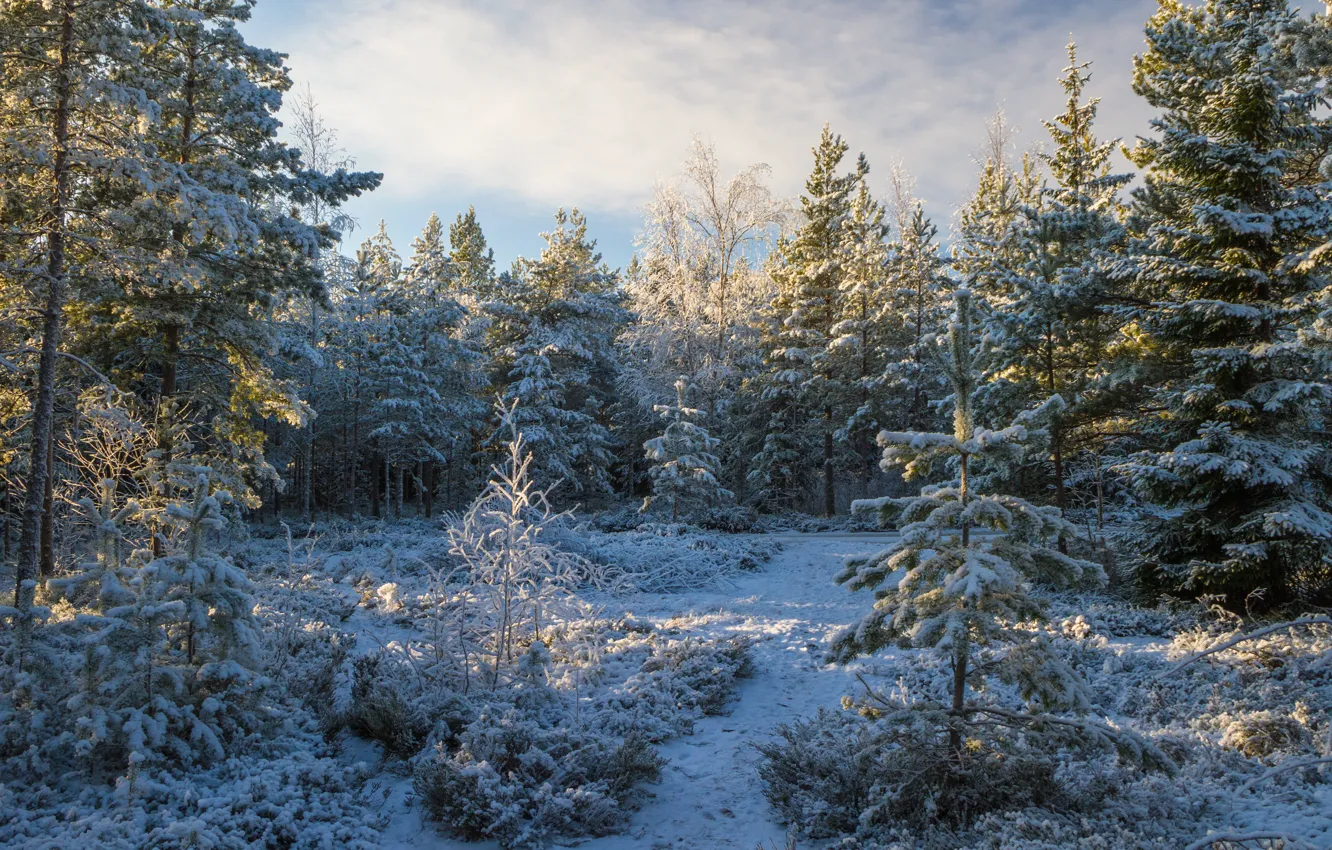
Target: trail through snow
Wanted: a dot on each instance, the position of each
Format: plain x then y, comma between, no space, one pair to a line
709,794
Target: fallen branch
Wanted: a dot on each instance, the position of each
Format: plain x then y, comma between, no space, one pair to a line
1263,632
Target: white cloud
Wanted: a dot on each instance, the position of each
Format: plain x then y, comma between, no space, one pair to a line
588,103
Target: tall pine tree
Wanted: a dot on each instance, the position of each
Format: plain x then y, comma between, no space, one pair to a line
1221,230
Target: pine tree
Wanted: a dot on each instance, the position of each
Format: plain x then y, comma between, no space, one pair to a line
1220,232
685,466
868,329
808,271
1048,286
450,358
472,259
71,166
171,673
968,560
920,286
219,241
555,321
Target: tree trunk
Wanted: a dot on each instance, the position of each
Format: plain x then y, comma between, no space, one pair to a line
47,566
428,487
374,486
307,449
829,500
398,493
959,704
43,415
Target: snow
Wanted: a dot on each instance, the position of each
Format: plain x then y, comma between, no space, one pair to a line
709,793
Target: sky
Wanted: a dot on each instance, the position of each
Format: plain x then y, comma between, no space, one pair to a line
519,108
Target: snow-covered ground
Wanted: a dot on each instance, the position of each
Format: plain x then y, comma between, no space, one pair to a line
709,795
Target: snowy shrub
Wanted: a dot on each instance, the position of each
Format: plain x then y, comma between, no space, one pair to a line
732,519
387,703
1262,733
672,559
618,519
837,773
820,775
529,770
291,796
679,682
521,782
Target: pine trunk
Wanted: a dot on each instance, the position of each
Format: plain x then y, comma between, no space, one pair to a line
43,416
829,500
47,566
428,488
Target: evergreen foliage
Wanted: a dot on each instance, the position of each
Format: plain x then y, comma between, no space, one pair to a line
685,466
1221,232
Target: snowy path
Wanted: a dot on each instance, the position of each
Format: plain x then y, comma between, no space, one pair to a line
709,794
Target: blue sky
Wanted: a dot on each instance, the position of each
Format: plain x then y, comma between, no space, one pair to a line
519,108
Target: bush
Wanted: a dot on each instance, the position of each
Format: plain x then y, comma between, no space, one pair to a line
387,705
678,683
732,519
839,773
521,780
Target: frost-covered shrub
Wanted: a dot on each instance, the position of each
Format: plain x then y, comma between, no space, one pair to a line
521,781
540,760
530,769
1262,733
732,519
291,796
618,519
679,682
661,558
819,776
387,703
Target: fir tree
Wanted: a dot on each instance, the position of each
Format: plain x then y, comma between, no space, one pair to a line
685,466
1221,229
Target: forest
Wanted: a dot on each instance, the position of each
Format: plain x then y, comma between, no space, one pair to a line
827,521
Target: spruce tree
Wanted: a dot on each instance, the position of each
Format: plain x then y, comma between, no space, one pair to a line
1221,232
685,465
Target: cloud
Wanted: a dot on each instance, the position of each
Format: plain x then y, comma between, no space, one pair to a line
587,103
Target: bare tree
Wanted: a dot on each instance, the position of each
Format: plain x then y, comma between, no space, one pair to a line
318,143
703,242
